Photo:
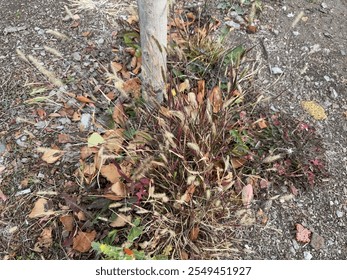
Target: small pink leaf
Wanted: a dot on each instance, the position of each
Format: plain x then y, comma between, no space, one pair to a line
247,195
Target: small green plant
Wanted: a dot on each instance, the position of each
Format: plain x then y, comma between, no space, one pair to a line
126,250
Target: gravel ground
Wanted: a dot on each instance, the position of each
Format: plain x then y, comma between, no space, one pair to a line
311,55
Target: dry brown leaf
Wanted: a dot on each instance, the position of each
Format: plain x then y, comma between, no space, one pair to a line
82,242
184,86
302,234
133,87
262,123
116,66
87,151
216,99
201,91
138,65
68,222
184,255
118,114
86,33
237,162
247,195
41,113
50,155
133,19
84,99
188,195
110,172
3,197
81,216
41,209
193,235
121,221
114,140
64,138
119,189
44,240
111,95
76,116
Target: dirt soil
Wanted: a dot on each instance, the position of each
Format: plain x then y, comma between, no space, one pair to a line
310,57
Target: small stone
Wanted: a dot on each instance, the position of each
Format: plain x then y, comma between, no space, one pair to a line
276,70
343,52
64,121
324,5
333,92
40,124
233,24
327,78
317,241
296,33
339,214
100,41
76,56
296,246
290,15
2,148
85,121
307,255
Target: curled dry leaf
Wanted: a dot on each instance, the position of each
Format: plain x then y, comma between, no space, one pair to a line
302,234
193,235
114,140
50,155
247,195
121,221
41,209
188,195
201,92
119,189
110,172
84,99
82,242
44,240
118,114
116,66
67,222
237,162
216,99
3,197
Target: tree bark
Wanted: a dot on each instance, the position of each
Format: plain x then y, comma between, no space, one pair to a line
153,29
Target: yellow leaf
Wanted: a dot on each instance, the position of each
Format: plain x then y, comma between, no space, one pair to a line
314,109
95,139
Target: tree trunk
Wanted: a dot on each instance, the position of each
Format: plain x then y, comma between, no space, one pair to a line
153,29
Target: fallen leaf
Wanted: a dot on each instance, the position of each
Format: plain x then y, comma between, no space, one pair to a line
3,197
184,86
251,29
116,66
95,139
81,216
86,33
119,189
41,113
88,151
84,99
111,95
302,234
247,195
264,184
188,195
44,240
314,109
201,92
82,242
216,99
133,86
121,221
76,116
110,172
114,140
64,138
2,168
68,222
293,189
193,235
41,209
128,252
50,155
237,162
262,123
184,255
133,19
118,114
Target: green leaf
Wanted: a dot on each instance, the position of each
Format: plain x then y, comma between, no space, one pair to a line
37,99
95,139
135,233
235,55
